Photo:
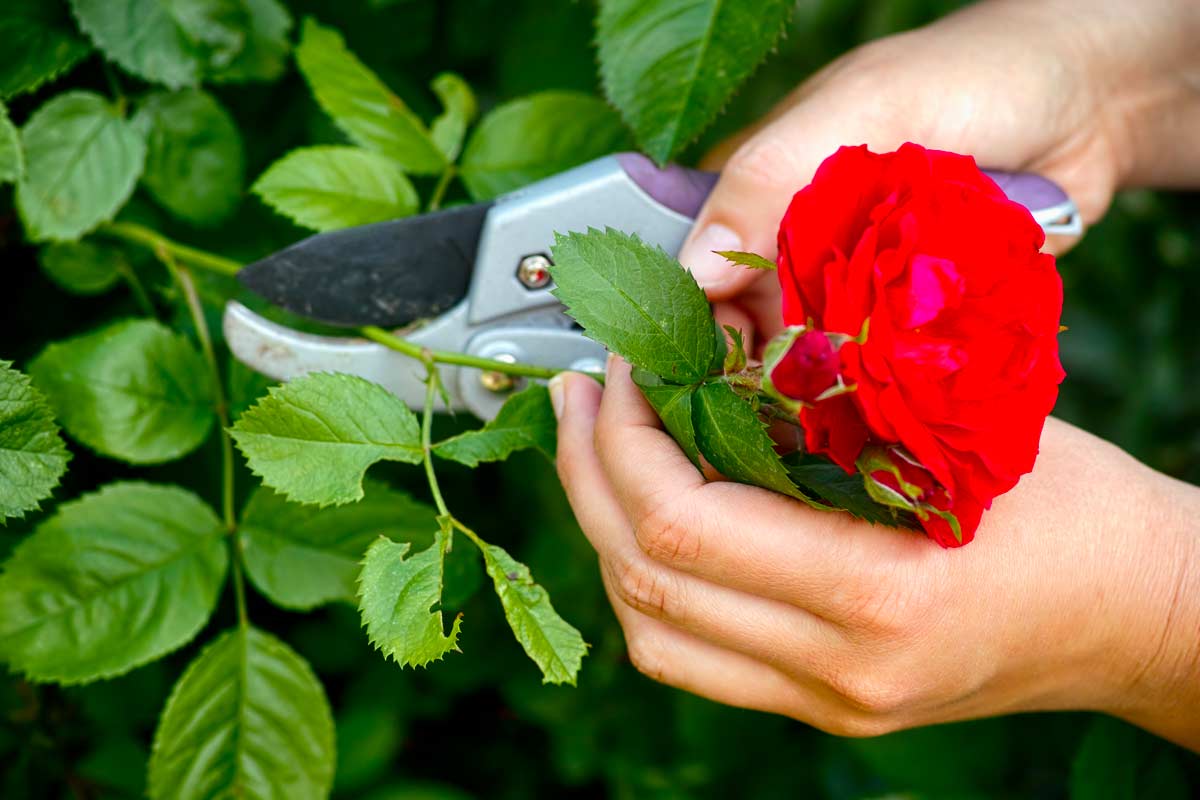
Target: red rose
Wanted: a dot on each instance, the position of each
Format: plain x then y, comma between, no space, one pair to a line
960,365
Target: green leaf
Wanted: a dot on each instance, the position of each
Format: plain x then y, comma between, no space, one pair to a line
173,42
313,438
38,43
86,268
397,596
637,301
248,719
1105,767
361,105
194,161
673,404
33,457
734,440
553,644
458,102
302,557
671,66
12,159
134,390
525,420
113,580
326,188
538,136
264,55
82,160
751,260
832,484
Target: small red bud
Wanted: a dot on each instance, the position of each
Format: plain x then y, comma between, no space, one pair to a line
809,368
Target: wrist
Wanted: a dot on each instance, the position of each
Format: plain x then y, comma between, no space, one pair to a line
1159,680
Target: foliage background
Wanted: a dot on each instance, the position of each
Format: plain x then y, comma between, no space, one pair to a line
480,724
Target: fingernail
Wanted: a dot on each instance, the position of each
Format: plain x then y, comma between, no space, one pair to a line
557,394
706,266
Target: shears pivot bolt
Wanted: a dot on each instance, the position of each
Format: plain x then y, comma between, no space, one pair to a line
534,271
496,381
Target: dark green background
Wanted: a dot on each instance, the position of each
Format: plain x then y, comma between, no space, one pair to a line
480,721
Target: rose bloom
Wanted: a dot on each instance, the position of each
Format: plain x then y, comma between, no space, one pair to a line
959,367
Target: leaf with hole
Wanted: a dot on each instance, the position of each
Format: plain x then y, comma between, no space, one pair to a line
146,564
302,557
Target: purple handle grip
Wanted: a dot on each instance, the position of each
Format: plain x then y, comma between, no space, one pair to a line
684,190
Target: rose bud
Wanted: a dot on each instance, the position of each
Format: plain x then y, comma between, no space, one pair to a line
807,369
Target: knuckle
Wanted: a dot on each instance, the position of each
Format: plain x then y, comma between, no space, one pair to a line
646,655
665,533
642,586
764,162
874,695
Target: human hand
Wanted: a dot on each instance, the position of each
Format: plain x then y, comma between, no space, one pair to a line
1090,100
1082,591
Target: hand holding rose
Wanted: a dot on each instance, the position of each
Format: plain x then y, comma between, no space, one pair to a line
1082,592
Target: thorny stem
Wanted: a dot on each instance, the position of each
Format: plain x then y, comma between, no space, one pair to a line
187,287
140,234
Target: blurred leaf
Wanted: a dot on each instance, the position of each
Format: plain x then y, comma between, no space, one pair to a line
134,390
172,43
248,719
146,564
637,301
244,387
12,158
419,790
264,55
194,161
33,457
1116,761
38,43
553,643
368,739
525,420
326,188
86,267
116,763
734,440
397,597
671,66
361,105
301,557
459,110
673,404
915,760
535,137
82,160
314,437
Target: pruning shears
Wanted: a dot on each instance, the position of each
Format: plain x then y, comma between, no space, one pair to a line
476,278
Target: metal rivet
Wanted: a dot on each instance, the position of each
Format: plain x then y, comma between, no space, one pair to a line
495,381
534,271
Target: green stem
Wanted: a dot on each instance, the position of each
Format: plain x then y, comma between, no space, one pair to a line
439,191
432,380
139,234
140,296
187,287
400,345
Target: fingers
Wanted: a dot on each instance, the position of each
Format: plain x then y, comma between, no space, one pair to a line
742,537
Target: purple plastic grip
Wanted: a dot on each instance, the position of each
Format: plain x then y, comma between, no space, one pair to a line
684,190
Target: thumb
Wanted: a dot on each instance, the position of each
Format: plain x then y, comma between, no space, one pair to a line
759,179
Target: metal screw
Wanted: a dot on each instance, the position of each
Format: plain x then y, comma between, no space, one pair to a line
534,271
495,381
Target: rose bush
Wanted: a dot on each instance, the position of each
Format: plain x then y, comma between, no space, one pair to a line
950,314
